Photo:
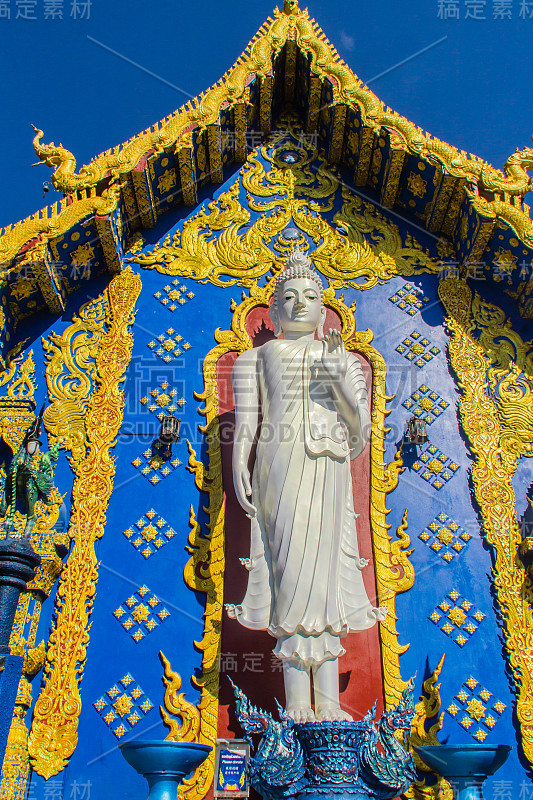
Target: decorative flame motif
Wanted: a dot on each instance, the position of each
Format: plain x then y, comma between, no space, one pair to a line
176,704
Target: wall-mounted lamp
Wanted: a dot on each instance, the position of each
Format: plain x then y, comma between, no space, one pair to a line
416,428
170,430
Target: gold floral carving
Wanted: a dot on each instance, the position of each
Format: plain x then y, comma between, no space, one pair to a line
492,473
175,705
427,712
16,413
17,405
70,375
46,542
509,376
23,383
16,766
53,734
59,419
361,219
9,364
204,571
211,247
193,254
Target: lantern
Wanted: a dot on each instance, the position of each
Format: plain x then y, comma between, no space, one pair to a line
170,429
417,431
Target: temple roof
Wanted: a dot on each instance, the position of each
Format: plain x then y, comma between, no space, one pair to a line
289,65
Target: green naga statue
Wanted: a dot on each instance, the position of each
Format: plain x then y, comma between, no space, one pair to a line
30,478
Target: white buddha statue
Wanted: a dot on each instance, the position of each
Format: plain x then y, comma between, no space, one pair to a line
308,398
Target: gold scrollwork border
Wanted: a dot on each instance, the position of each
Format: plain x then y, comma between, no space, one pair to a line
53,735
493,488
205,569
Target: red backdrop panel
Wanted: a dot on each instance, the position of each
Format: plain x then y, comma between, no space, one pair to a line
246,656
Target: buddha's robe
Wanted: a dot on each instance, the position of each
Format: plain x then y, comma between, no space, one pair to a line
305,584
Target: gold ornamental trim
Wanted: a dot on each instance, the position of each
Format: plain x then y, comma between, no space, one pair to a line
53,221
16,767
427,723
222,244
16,414
257,60
70,375
492,472
53,735
175,705
18,404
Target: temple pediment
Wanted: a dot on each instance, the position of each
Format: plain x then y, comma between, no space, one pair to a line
289,66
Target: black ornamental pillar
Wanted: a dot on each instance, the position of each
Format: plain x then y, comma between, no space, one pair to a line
18,562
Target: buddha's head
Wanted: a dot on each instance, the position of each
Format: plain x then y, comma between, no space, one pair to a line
297,307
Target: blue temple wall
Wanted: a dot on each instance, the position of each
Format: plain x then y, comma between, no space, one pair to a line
131,567
113,652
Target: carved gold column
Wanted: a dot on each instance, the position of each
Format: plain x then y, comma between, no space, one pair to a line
492,473
16,766
53,735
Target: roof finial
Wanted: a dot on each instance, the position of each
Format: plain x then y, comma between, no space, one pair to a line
290,7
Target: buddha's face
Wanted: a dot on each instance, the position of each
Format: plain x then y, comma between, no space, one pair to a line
299,308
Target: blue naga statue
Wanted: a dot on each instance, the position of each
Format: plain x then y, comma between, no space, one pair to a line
341,759
277,770
394,771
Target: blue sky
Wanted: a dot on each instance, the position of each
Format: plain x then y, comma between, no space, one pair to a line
472,88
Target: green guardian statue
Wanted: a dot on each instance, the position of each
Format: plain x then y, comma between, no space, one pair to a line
30,478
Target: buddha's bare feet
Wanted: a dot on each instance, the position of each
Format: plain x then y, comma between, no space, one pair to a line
332,713
301,714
